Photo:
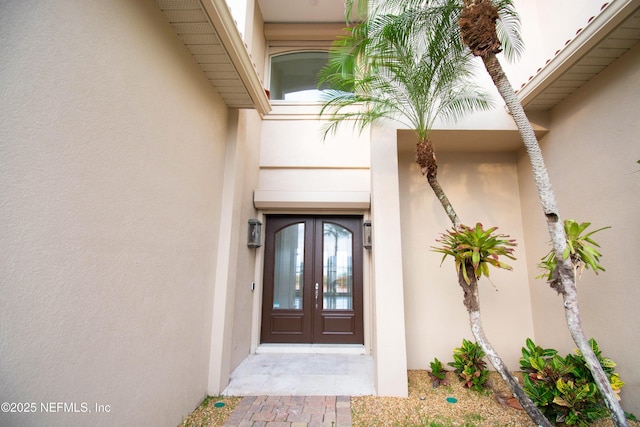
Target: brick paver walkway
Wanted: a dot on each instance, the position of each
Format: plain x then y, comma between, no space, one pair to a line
291,411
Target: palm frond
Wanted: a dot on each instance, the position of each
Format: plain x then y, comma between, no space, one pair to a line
508,28
423,13
390,67
354,10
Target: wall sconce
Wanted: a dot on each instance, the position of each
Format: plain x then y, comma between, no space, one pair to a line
366,234
254,238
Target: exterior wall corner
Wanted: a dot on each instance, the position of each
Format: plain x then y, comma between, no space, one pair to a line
389,345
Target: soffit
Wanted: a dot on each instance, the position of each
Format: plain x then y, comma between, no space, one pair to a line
468,140
296,32
302,11
606,38
208,30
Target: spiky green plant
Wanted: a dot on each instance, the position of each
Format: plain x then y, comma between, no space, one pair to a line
474,250
581,248
476,246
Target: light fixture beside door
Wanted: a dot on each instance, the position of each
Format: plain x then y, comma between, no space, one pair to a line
366,234
254,236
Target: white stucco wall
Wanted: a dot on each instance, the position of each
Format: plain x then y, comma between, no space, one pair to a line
591,156
111,159
483,187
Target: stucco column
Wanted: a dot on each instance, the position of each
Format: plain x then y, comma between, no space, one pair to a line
225,262
389,346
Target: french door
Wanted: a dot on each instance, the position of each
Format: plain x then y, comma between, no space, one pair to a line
312,280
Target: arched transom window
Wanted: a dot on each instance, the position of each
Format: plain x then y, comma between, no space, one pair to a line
294,76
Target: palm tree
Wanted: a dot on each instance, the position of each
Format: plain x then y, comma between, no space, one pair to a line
389,71
478,28
413,78
481,22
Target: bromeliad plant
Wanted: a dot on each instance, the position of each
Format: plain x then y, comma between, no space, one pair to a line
476,247
469,365
474,250
581,400
580,247
563,387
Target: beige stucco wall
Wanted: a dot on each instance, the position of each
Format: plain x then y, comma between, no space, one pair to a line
294,155
246,271
387,294
591,155
112,145
258,44
235,262
246,262
483,187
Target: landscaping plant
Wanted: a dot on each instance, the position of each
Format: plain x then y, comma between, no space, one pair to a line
483,25
581,254
581,248
474,249
563,387
407,63
478,27
437,374
415,78
478,247
469,365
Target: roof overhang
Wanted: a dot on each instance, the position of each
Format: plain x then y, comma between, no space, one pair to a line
208,30
604,39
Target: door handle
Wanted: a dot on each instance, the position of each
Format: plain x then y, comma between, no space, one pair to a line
317,293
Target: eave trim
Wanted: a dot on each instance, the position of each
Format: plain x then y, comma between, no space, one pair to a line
220,17
614,14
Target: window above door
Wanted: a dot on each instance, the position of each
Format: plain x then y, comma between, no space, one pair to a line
296,52
294,76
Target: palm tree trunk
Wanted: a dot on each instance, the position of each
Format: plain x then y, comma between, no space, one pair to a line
426,159
446,204
564,282
472,303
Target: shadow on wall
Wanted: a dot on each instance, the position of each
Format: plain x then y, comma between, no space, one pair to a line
481,186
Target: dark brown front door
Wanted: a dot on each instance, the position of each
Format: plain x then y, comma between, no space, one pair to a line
313,280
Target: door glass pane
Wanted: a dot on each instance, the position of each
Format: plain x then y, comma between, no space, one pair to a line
337,268
288,269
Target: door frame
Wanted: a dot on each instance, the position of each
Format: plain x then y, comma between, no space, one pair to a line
258,288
